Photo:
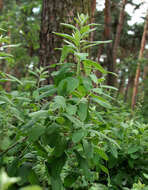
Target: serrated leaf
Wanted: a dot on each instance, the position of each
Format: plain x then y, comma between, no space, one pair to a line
71,109
60,101
74,120
72,84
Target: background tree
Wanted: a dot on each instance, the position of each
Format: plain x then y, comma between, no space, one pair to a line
54,13
143,42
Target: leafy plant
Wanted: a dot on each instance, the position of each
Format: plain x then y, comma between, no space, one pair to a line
57,125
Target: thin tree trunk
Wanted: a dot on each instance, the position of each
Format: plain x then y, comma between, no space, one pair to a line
118,33
143,42
1,5
108,36
145,72
93,9
128,88
121,84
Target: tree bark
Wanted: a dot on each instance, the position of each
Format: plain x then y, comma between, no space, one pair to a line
108,36
128,89
1,5
118,32
93,9
53,13
136,82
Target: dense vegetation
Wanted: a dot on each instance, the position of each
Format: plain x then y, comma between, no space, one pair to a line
65,120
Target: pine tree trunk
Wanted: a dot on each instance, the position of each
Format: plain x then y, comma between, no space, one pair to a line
108,36
118,32
93,9
1,5
54,13
136,82
128,88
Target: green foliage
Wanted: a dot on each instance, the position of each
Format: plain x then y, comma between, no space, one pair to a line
6,181
68,135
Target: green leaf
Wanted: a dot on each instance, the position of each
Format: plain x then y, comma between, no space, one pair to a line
60,147
60,101
46,94
101,101
81,56
32,177
109,87
94,78
87,83
65,51
104,169
73,119
77,37
70,179
78,135
84,165
101,153
33,187
71,109
72,84
6,100
95,65
14,79
45,88
84,29
67,36
82,110
39,114
69,26
113,150
145,175
88,148
54,166
62,87
35,132
6,181
133,149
